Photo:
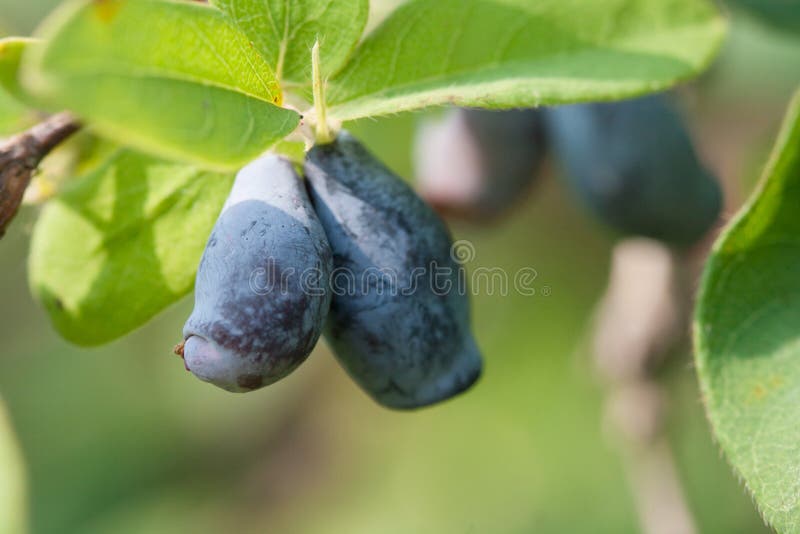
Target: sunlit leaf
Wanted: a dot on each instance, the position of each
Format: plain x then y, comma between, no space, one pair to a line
171,78
14,114
122,244
11,51
518,53
284,31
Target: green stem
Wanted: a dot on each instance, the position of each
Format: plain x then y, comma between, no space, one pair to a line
323,131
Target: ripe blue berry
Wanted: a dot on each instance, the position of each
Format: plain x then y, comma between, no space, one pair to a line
403,335
261,295
633,164
477,163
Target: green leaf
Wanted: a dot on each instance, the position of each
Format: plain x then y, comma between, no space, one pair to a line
285,30
747,336
14,115
122,244
12,480
295,151
171,78
11,50
519,53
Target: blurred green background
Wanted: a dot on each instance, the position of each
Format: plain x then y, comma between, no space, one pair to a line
121,439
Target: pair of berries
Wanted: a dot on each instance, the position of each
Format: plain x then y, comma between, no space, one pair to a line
631,163
350,250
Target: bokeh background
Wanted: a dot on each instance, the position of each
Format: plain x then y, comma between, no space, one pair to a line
121,439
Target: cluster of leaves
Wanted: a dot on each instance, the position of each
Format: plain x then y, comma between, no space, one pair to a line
747,336
190,92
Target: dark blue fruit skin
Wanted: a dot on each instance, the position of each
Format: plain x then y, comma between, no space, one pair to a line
408,345
507,147
634,165
246,332
511,147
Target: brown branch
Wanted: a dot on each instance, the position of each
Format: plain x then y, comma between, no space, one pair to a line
20,157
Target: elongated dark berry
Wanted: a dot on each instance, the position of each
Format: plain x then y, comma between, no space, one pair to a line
633,164
478,163
261,295
400,317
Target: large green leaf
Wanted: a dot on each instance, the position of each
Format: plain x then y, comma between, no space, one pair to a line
122,244
172,78
519,53
747,335
285,30
12,484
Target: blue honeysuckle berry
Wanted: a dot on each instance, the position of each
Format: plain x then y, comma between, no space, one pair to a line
477,163
634,166
261,294
400,316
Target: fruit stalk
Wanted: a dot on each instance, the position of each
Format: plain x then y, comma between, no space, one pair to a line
323,131
640,323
